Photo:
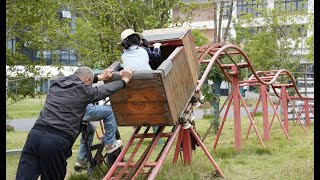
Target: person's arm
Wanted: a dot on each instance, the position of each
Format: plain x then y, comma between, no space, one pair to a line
95,78
104,76
107,89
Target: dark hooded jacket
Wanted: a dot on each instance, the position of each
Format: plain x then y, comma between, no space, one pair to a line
66,103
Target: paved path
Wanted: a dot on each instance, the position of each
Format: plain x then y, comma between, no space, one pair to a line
22,124
26,124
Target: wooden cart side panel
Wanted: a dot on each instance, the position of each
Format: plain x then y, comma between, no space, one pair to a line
143,120
191,56
178,83
143,102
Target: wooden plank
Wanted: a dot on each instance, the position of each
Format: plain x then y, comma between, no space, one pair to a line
141,107
144,94
143,102
144,120
191,56
179,83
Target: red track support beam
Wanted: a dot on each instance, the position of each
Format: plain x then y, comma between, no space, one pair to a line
306,111
184,135
263,92
186,146
184,142
206,152
236,109
284,104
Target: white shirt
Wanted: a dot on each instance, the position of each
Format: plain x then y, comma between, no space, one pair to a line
135,58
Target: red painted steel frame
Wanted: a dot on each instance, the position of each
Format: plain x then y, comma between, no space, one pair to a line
121,155
261,78
306,108
266,127
236,98
183,142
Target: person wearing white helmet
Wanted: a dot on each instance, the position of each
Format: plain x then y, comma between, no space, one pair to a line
136,57
139,58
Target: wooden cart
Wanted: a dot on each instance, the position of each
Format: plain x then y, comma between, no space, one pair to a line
159,97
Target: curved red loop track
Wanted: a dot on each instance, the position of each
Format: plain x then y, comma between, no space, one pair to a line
272,77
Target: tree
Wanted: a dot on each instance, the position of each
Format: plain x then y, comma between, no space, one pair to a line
221,35
279,40
38,26
99,24
30,25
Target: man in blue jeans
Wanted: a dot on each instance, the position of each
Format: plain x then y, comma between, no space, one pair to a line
96,113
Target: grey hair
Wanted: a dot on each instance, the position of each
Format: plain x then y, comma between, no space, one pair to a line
84,72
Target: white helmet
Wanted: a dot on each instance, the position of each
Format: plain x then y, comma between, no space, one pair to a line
126,33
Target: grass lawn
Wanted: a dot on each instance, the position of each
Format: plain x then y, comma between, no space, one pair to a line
281,159
28,108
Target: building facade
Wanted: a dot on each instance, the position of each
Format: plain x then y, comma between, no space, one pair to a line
204,21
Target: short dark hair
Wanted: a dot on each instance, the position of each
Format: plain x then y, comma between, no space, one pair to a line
133,39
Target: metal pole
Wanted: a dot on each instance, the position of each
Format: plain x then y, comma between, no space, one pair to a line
305,81
265,112
236,109
284,108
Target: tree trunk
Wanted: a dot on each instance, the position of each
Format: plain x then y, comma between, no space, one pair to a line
220,21
216,104
215,32
225,34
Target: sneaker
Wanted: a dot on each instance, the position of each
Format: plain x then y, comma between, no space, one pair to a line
112,147
81,163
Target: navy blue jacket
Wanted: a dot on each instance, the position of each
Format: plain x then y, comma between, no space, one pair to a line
154,57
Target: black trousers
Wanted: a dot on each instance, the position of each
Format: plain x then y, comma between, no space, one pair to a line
43,154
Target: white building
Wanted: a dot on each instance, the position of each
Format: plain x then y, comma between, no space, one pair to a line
204,19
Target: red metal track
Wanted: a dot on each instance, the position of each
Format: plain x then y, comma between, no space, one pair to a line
258,78
184,131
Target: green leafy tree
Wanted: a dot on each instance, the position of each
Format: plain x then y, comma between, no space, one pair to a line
31,25
221,35
276,41
38,26
99,24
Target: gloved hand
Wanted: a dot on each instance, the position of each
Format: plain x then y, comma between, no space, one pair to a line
157,45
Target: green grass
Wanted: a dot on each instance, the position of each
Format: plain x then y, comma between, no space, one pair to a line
281,159
28,108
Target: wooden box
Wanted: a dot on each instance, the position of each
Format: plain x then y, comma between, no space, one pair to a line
159,97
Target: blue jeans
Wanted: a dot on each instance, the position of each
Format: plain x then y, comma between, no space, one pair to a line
96,113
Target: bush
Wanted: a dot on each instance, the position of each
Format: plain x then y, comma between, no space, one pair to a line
9,128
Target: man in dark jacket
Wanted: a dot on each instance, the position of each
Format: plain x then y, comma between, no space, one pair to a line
49,142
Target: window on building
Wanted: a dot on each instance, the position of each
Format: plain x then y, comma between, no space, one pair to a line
293,31
64,57
252,30
226,12
73,57
291,5
253,7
